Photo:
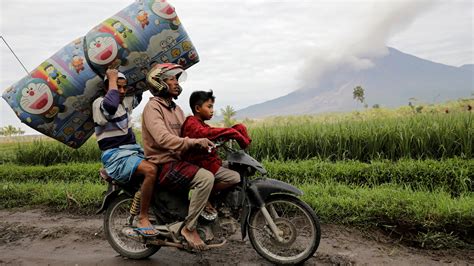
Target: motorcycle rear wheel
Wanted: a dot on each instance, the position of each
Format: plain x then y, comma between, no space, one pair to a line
299,225
116,219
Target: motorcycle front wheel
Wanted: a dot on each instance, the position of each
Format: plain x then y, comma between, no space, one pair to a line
117,223
298,227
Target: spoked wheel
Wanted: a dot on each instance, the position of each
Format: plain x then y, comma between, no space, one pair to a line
298,228
117,224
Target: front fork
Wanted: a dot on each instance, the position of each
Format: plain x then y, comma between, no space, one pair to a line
269,214
277,233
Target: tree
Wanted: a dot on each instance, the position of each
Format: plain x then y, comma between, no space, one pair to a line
413,106
358,94
228,112
11,131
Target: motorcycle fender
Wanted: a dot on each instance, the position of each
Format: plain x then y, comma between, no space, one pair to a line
111,193
260,189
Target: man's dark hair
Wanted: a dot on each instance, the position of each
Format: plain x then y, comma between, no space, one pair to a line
199,97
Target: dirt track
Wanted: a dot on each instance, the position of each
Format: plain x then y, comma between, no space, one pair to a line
36,237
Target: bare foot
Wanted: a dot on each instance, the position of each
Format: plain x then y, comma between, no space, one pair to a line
143,222
193,239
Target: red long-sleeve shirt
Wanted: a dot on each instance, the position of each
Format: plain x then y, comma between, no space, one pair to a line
195,128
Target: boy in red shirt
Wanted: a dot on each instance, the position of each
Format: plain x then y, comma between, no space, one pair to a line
202,106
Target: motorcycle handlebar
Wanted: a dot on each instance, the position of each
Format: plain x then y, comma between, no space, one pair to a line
217,144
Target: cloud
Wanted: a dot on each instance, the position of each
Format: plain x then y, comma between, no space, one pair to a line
366,40
158,43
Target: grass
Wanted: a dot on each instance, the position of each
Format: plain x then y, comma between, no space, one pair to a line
459,106
73,172
373,134
46,151
416,215
424,136
50,153
455,175
81,196
9,145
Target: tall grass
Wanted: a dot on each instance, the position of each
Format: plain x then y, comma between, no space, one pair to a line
459,106
422,136
52,152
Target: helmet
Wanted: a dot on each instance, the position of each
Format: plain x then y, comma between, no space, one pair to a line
157,75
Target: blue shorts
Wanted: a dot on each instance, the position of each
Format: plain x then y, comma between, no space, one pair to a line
120,163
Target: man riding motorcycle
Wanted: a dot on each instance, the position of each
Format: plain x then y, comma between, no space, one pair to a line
161,131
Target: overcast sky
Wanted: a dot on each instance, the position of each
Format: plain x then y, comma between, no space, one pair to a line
256,50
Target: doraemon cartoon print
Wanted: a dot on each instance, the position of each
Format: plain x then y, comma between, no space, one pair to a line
36,98
103,50
164,10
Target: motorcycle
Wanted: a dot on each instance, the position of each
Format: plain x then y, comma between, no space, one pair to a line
281,227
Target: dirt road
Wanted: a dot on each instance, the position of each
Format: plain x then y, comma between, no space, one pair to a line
38,237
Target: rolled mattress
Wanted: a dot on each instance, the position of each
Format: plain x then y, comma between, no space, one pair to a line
55,98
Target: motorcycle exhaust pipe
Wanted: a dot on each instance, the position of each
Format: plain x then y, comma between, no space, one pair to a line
160,242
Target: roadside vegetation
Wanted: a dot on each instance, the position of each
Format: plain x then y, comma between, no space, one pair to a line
408,171
424,136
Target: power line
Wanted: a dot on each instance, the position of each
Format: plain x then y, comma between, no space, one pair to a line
15,55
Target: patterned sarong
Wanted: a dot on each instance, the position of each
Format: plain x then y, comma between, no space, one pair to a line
177,175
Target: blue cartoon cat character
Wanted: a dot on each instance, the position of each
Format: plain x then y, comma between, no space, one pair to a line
37,99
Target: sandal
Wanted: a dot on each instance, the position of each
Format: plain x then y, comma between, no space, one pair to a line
141,231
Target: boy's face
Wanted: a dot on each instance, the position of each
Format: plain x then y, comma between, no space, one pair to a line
206,110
